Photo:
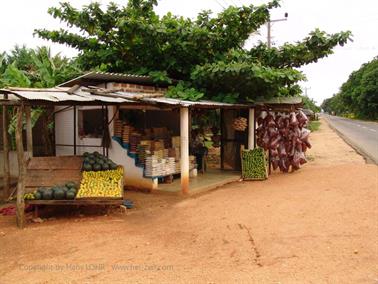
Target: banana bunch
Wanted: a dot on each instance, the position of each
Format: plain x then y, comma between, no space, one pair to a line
29,196
101,184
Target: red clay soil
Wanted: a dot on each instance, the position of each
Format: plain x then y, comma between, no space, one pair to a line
317,225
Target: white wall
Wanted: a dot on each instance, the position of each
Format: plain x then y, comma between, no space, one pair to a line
133,176
64,132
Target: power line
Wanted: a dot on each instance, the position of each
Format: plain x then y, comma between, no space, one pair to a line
220,4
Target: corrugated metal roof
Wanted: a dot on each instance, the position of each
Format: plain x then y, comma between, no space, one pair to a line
108,77
60,95
177,102
92,95
281,100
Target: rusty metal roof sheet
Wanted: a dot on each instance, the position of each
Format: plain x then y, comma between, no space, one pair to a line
108,77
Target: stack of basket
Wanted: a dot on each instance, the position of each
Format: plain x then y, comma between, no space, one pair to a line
142,154
126,133
118,128
158,145
175,141
159,154
135,139
147,143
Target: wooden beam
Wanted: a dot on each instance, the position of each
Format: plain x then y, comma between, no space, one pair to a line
184,144
20,204
29,131
74,128
251,129
6,187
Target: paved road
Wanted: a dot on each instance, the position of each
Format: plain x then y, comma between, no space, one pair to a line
363,135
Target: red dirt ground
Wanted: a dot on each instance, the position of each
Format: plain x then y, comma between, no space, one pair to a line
317,225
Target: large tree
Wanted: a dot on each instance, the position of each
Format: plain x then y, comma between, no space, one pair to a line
207,53
358,95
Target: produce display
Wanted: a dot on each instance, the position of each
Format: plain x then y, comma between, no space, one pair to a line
286,138
240,123
107,183
97,162
67,191
254,165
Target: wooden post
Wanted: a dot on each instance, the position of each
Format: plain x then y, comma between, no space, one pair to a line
20,214
251,129
74,128
29,131
6,187
184,144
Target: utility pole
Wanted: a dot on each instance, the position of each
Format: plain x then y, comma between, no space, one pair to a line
305,90
269,25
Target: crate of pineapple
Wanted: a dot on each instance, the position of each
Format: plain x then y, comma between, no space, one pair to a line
106,184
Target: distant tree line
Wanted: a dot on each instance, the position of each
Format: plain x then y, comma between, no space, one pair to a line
358,96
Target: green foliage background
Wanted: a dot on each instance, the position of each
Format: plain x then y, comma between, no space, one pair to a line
206,54
358,96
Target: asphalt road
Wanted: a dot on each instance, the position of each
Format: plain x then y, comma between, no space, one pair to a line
362,135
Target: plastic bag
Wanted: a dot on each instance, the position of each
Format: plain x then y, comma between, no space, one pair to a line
274,142
263,114
293,119
282,150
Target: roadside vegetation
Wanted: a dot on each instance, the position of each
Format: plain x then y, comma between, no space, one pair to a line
358,96
314,125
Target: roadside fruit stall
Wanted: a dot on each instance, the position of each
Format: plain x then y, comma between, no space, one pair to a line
68,180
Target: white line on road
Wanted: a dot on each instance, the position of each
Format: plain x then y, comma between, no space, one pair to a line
372,130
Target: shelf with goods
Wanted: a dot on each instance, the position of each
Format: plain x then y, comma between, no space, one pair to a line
156,150
67,180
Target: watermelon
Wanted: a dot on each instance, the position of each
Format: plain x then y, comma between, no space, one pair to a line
105,166
99,161
87,167
41,190
97,167
92,161
97,154
47,194
86,154
113,166
37,195
59,193
70,184
70,194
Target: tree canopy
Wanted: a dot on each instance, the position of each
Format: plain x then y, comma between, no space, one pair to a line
26,67
206,54
358,96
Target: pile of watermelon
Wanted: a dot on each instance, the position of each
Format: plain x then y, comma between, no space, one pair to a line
67,191
97,162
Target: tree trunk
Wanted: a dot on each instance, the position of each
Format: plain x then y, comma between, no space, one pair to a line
20,214
29,131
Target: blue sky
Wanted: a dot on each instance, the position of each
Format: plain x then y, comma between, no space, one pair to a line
20,17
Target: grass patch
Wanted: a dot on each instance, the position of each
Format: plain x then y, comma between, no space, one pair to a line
314,125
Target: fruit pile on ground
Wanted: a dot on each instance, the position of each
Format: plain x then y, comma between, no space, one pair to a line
102,184
67,191
97,162
254,164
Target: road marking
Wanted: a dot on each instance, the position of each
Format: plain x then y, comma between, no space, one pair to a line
358,125
372,130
